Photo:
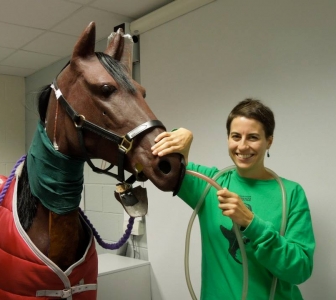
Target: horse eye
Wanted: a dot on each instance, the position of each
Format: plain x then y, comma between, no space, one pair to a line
107,90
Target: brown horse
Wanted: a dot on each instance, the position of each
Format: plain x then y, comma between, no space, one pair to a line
93,109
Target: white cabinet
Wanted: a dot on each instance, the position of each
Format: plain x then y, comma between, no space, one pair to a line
123,278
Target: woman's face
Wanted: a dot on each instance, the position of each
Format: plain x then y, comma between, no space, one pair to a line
247,146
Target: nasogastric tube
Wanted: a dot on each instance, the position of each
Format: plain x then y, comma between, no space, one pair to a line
212,182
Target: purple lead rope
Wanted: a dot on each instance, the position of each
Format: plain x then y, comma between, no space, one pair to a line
108,246
10,178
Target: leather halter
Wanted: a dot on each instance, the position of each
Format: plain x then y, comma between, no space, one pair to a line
124,143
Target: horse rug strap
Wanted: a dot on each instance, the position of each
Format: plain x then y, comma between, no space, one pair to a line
66,293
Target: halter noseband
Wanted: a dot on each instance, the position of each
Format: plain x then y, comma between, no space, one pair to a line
124,143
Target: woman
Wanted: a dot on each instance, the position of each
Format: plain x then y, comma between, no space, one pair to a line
251,198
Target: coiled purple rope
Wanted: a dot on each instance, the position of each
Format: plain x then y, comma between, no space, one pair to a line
108,246
10,178
99,240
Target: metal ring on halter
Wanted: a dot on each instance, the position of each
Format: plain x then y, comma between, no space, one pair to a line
128,145
80,121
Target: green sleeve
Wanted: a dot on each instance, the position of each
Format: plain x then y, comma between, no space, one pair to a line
192,187
289,257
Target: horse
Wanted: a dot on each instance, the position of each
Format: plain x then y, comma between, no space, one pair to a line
92,110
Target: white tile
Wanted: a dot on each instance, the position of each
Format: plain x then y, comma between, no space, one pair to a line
36,13
29,60
93,197
4,52
52,43
83,2
16,71
110,203
93,177
134,251
106,224
23,24
130,8
19,35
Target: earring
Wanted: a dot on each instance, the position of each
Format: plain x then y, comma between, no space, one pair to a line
268,155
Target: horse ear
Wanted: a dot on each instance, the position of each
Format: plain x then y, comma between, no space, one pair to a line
85,45
120,47
115,44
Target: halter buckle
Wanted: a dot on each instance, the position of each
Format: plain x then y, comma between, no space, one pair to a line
125,144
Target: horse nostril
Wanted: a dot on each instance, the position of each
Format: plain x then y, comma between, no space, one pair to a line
164,166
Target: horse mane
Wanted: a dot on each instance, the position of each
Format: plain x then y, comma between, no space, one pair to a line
116,69
26,202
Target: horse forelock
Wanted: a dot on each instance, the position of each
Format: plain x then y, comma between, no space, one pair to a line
117,70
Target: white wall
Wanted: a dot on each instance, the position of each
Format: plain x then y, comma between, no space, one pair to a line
197,67
12,121
101,207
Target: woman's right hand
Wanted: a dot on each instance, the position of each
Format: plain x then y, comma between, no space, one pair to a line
178,141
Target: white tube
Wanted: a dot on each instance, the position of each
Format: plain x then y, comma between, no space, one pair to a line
212,182
283,224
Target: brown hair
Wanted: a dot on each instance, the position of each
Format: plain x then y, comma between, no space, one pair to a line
253,109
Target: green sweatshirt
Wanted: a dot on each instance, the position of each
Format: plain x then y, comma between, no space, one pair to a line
289,258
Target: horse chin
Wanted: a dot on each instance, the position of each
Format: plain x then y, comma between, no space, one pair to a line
141,177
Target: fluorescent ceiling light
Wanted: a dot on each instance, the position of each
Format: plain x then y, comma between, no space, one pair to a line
165,14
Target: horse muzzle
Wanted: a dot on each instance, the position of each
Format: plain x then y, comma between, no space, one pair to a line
171,170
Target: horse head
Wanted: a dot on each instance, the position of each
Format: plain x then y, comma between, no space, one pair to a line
109,110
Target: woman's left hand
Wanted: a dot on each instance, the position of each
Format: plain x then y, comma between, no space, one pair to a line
178,141
233,207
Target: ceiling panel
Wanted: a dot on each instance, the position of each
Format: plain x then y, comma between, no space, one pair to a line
36,13
83,2
105,21
131,8
19,35
36,33
52,43
13,71
4,52
29,60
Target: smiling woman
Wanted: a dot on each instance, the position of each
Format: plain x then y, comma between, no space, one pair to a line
251,199
250,128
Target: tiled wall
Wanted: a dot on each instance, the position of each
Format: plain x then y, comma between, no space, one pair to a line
107,214
12,121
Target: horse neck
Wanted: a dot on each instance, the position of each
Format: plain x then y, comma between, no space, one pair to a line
67,239
61,238
57,229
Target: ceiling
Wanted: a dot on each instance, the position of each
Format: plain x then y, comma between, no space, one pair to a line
36,33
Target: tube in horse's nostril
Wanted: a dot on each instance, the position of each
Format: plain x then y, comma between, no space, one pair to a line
164,166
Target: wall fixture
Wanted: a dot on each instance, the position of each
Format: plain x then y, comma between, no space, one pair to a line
165,14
